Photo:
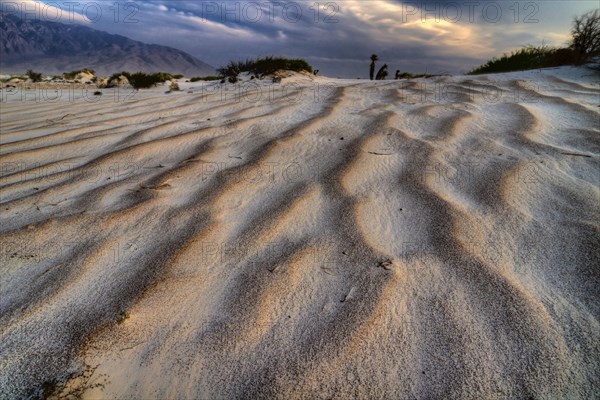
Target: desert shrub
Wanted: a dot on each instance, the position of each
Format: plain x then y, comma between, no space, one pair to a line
141,80
563,56
174,87
410,75
178,76
117,75
382,73
34,76
528,58
98,93
73,74
270,65
205,78
264,66
163,76
374,59
70,75
586,36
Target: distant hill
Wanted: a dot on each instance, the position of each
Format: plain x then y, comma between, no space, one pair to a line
55,48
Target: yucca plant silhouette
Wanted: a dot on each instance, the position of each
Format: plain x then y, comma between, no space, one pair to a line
383,73
374,59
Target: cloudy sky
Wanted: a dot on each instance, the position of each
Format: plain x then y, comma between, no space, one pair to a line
336,37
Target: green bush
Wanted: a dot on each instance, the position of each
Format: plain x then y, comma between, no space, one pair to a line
141,80
206,78
410,75
264,66
528,58
73,74
34,76
117,75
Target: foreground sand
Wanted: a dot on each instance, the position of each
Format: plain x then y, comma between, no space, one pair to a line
419,239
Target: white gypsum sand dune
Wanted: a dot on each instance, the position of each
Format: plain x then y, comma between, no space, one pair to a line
317,239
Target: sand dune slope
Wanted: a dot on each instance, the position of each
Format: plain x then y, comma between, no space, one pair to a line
321,239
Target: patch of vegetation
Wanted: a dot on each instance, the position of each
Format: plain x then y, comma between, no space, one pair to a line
374,59
142,80
34,76
73,74
585,44
206,78
586,36
382,73
174,87
528,58
98,93
410,75
117,75
264,66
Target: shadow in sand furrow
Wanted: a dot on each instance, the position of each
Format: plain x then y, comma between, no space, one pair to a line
195,104
58,138
205,195
443,124
251,297
74,184
52,270
582,141
329,339
102,295
138,195
225,179
574,86
149,183
122,283
527,94
275,108
134,282
116,112
79,132
15,173
483,284
30,156
246,312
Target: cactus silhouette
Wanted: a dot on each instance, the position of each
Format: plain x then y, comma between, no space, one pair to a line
374,59
382,74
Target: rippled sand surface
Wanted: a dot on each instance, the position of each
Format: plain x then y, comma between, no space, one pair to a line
340,238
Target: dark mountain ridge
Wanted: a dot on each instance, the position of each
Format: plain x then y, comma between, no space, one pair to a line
54,48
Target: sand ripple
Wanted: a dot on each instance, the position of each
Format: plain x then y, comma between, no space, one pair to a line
371,240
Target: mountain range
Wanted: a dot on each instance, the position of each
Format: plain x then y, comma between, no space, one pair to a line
54,48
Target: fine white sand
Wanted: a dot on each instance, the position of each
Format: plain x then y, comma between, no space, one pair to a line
320,238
